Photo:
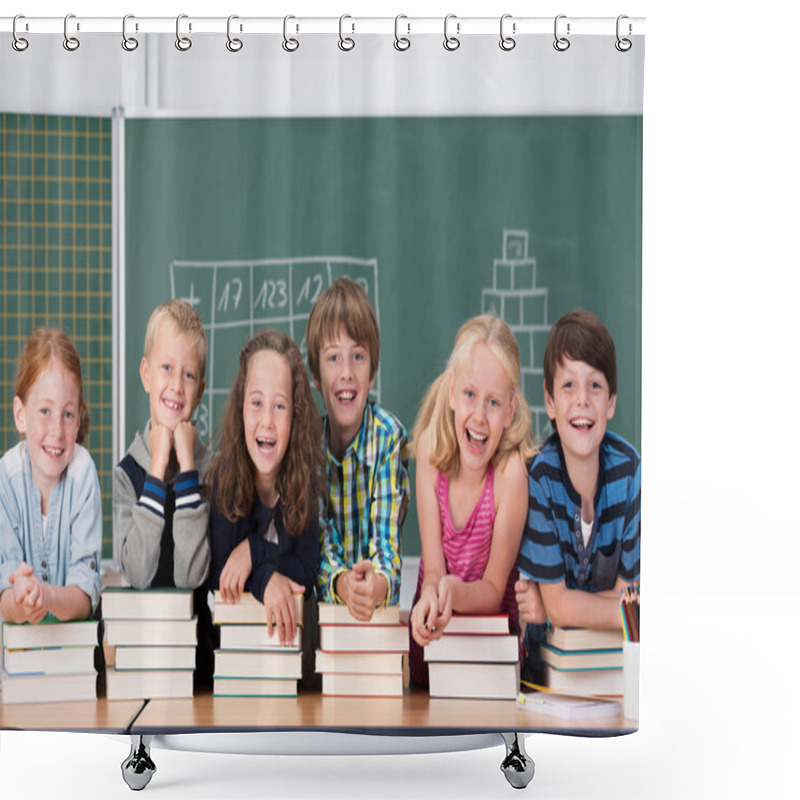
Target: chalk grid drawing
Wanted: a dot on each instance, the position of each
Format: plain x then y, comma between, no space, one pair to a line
239,298
516,298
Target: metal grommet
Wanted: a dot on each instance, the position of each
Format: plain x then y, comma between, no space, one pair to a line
234,45
561,43
346,43
70,42
289,44
451,43
623,45
183,43
18,42
507,43
128,42
401,43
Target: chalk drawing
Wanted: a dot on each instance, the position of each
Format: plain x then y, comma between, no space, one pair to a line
238,298
516,298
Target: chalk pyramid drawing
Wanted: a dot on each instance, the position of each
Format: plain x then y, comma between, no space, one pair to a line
516,298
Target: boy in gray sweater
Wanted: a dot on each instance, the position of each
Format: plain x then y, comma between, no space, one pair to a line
160,514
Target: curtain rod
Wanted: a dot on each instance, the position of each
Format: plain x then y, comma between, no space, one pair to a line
451,26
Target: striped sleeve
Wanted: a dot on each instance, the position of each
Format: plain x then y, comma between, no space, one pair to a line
154,495
187,489
631,535
540,556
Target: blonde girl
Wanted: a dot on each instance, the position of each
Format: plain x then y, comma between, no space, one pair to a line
50,513
266,482
471,439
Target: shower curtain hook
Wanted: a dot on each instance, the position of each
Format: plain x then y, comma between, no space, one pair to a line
183,43
507,42
401,42
289,44
623,45
18,43
70,42
451,43
561,43
128,42
233,44
345,42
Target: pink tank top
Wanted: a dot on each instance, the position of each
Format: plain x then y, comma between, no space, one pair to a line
466,551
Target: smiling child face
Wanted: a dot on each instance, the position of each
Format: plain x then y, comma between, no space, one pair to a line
171,376
267,414
483,406
345,381
49,419
580,407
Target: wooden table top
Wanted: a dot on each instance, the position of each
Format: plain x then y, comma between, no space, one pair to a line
414,713
102,716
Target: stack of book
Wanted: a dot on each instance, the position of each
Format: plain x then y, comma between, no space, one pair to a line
150,642
583,661
361,659
476,657
51,662
250,662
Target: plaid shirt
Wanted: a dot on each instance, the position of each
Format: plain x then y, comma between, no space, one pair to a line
367,500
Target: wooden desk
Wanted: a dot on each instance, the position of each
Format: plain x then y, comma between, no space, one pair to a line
414,714
101,716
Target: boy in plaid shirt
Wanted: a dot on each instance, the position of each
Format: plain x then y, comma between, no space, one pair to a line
366,456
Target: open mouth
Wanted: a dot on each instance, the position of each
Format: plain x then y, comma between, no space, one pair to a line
173,406
582,424
476,439
265,445
347,396
54,452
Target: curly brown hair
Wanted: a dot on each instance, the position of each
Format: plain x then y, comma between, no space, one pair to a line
299,483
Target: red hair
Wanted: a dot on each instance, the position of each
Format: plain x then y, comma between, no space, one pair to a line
46,345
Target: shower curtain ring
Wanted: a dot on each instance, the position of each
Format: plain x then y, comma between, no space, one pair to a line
623,45
70,42
561,43
346,42
129,43
507,42
289,44
401,42
18,43
451,43
183,43
233,44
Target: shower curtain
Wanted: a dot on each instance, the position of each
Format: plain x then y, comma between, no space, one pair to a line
245,173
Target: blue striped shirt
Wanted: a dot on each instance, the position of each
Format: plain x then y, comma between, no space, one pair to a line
367,499
552,546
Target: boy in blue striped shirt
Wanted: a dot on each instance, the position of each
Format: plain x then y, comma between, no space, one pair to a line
366,456
581,540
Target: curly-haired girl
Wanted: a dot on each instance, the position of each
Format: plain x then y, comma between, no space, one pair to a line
266,482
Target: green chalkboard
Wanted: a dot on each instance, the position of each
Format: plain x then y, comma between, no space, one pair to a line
55,262
440,218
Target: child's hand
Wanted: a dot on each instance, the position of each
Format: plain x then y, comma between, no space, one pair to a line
30,594
424,618
183,439
235,573
529,602
279,606
160,448
446,587
367,589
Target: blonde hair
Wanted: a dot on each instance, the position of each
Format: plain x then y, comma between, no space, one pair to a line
344,304
437,420
186,319
44,346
